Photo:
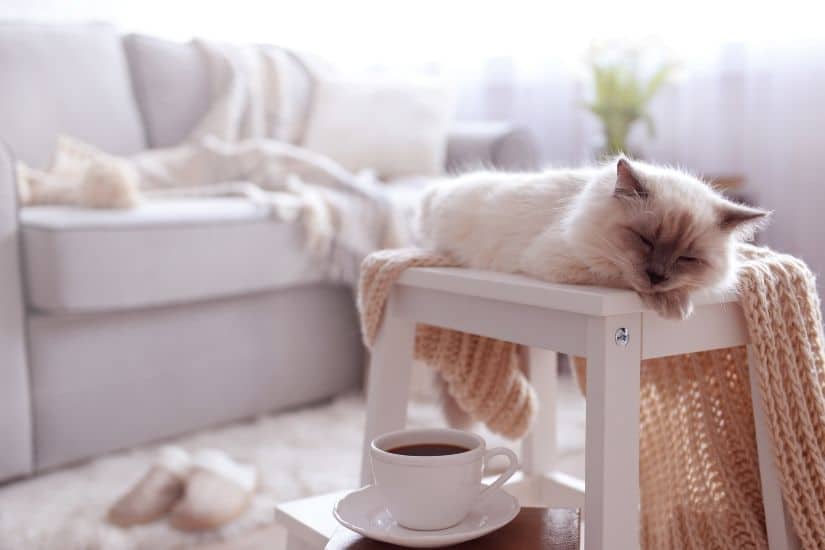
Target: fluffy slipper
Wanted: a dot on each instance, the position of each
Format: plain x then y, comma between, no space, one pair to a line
156,492
217,492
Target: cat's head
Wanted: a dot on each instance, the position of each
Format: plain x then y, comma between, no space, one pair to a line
658,229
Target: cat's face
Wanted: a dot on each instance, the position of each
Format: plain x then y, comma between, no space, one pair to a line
665,230
673,248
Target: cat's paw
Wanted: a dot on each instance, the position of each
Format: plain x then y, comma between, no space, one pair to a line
674,304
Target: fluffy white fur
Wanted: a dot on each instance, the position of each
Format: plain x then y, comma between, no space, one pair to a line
221,464
657,230
111,184
175,459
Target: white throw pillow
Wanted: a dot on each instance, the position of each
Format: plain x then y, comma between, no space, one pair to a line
393,128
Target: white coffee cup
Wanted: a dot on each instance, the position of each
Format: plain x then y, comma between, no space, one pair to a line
433,492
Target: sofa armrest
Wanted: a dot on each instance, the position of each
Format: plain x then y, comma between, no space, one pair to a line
16,456
499,145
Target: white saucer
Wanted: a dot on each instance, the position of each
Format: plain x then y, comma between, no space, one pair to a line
364,512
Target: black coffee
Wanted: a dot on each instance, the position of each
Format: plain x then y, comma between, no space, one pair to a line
428,449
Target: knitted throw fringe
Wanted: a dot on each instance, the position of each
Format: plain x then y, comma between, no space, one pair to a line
482,374
699,472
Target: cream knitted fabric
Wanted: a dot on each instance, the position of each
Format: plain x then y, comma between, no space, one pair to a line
778,295
699,472
482,374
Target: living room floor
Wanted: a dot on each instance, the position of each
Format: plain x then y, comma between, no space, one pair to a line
298,453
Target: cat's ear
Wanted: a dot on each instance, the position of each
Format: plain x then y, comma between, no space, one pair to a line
739,217
627,183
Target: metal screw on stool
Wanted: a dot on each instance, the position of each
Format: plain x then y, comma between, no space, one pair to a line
622,336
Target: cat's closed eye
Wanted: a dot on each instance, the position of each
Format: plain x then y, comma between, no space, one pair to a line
645,240
689,259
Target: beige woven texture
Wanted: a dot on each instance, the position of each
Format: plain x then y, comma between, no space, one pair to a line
483,375
699,472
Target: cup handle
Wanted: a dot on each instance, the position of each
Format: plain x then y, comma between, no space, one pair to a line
502,479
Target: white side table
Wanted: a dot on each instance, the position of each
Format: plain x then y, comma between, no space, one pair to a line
608,326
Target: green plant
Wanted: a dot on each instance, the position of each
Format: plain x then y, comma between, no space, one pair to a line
623,87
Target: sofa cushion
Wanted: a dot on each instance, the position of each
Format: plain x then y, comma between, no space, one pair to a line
407,135
501,145
171,85
160,253
69,78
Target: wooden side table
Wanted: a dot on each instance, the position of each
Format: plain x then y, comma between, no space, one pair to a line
310,526
532,529
614,331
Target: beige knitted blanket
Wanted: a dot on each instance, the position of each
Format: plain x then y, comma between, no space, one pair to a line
483,375
699,472
344,216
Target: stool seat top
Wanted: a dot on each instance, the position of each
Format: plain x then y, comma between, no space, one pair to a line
507,287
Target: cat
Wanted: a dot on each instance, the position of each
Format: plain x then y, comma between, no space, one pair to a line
625,224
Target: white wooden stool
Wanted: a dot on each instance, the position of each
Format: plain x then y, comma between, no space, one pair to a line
614,331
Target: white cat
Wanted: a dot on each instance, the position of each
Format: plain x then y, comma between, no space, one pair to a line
656,230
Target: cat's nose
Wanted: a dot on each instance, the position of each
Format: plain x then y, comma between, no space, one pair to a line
655,278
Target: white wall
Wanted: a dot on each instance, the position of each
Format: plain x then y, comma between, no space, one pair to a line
435,29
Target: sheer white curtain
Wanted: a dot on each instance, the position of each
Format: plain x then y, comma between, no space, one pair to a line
784,144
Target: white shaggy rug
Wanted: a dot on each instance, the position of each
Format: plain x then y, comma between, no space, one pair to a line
298,453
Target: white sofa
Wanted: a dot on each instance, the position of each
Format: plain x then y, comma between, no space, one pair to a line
118,328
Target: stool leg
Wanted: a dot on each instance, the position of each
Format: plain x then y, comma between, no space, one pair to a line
781,535
539,448
388,387
611,509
